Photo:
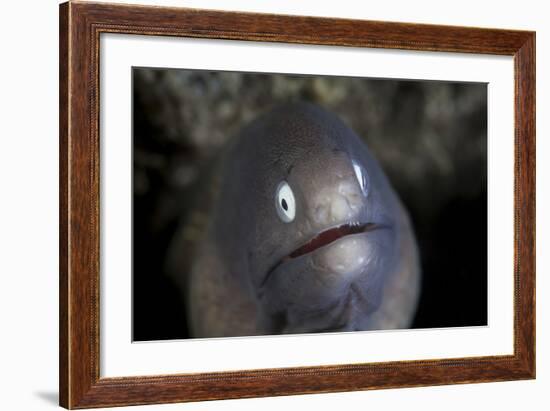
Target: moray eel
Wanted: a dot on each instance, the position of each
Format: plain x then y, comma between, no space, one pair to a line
305,235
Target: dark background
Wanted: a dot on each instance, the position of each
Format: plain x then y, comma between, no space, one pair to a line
430,138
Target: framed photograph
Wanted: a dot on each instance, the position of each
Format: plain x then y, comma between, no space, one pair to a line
258,205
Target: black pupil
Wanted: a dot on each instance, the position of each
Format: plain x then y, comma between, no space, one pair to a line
284,204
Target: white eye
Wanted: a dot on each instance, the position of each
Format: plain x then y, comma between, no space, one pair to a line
284,202
361,177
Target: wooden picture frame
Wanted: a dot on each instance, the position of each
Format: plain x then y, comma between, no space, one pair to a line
81,24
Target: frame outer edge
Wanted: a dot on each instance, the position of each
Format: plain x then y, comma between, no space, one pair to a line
526,201
79,233
64,352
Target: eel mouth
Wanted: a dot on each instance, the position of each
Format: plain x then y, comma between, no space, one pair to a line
324,238
329,236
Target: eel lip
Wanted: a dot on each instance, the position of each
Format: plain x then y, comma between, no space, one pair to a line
324,238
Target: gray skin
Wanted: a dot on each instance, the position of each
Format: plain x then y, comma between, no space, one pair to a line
243,282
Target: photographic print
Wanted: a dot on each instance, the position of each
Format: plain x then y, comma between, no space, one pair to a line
267,204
